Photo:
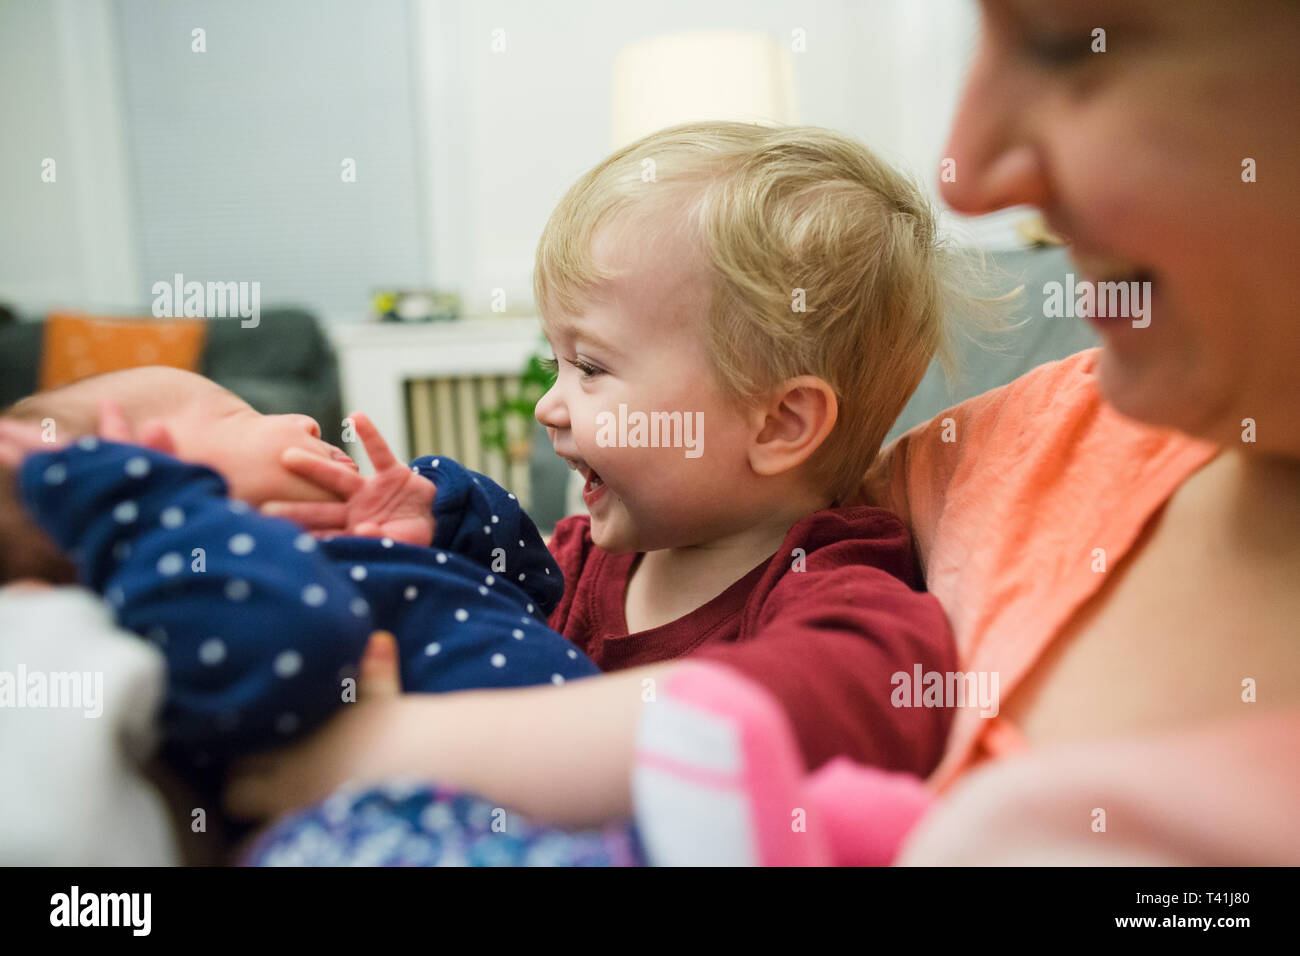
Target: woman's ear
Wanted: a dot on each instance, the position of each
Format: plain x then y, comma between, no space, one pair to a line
792,424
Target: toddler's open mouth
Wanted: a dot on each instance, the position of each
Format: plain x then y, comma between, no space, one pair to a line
595,485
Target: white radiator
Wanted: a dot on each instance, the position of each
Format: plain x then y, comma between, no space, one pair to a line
444,415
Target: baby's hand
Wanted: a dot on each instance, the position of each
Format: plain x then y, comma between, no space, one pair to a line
394,502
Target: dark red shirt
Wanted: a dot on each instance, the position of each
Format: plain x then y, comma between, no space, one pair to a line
823,628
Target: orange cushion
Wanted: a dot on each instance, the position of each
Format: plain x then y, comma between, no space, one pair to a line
77,346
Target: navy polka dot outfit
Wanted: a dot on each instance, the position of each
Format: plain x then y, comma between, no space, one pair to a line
262,625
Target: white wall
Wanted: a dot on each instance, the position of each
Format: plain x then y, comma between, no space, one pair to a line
530,120
71,242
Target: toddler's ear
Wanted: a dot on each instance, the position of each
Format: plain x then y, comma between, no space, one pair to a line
795,421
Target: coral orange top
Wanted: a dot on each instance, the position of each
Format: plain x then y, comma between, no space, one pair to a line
1009,496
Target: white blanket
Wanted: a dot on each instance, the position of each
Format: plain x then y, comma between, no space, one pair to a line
78,701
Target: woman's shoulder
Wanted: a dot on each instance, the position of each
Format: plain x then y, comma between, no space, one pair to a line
1048,425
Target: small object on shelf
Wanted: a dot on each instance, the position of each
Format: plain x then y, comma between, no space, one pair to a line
414,305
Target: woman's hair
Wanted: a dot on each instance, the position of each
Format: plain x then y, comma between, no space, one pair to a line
823,261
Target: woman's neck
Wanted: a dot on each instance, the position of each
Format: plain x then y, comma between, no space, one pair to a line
1257,499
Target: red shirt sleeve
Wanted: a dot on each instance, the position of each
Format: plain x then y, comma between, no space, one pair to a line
827,646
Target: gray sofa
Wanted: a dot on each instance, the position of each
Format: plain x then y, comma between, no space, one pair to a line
1004,357
284,364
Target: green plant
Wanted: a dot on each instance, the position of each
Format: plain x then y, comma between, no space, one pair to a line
494,423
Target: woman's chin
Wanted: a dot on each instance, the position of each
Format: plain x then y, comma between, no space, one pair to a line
1156,392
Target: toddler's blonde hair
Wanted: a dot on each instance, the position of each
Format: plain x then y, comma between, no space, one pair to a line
774,210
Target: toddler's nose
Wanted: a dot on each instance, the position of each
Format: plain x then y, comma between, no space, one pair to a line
551,410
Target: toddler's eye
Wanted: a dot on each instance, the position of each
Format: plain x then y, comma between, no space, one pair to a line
588,370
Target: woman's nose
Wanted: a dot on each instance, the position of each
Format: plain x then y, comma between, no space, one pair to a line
993,159
551,410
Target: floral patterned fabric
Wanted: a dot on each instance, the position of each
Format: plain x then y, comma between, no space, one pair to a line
421,825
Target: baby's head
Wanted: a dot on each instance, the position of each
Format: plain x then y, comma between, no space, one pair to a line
209,425
780,287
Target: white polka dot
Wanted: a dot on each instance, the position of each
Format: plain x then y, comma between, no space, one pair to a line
314,595
498,660
525,620
212,651
410,592
359,607
121,550
548,570
572,654
358,573
462,614
304,542
56,474
89,443
489,580
496,520
238,589
241,543
287,663
487,529
125,512
286,723
557,679
521,576
137,467
436,462
172,517
437,817
517,634
170,563
530,609
433,648
238,507
510,496
441,557
482,589
386,542
521,543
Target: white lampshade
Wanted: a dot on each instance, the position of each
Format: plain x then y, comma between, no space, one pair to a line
718,75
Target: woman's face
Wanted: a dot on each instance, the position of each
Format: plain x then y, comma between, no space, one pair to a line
1135,155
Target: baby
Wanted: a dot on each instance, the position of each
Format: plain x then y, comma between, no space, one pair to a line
262,624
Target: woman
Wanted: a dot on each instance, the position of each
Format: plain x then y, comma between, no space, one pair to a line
1116,536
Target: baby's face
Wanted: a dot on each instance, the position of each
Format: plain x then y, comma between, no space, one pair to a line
245,447
641,346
